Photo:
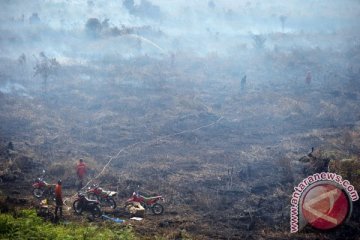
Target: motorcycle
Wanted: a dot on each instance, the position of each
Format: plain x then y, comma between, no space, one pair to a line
147,202
42,188
82,203
44,211
105,197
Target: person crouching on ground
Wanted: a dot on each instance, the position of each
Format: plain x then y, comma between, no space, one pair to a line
81,171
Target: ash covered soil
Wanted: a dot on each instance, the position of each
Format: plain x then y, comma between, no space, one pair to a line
225,158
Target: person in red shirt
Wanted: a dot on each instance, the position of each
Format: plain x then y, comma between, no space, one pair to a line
58,198
81,172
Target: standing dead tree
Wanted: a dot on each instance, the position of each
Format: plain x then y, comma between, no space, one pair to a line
45,67
229,183
282,19
21,61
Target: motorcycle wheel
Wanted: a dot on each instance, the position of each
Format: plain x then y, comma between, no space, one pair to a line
112,203
40,213
77,207
92,196
96,212
157,209
38,192
50,216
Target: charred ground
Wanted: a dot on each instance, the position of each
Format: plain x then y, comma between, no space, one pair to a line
229,180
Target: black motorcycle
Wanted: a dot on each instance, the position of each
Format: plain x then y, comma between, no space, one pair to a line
82,203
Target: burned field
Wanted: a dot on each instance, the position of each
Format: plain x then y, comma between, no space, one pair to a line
224,156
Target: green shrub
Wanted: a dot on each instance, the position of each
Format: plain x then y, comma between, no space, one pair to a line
27,225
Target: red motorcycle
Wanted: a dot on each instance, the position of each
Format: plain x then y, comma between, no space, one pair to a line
147,202
104,197
42,188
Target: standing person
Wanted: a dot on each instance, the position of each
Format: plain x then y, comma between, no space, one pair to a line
243,82
81,171
58,198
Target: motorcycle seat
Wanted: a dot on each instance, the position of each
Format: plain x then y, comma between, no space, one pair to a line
149,198
110,193
91,200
